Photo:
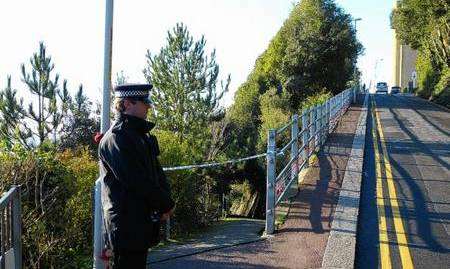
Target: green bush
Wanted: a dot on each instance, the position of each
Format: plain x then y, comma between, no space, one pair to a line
56,199
193,190
428,75
441,95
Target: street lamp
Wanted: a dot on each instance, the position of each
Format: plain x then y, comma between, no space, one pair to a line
98,263
356,20
356,60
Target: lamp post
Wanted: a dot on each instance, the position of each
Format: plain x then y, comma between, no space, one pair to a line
355,21
356,60
105,122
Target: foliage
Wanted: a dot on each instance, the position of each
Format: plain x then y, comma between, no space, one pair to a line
40,83
79,126
300,61
191,189
58,117
185,93
427,74
11,115
424,25
442,92
316,99
56,202
274,113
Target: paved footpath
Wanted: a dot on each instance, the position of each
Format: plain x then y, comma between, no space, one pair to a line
301,241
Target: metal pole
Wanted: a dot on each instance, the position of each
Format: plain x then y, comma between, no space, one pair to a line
327,116
320,121
322,124
107,66
17,228
270,191
105,122
167,230
305,136
294,146
312,134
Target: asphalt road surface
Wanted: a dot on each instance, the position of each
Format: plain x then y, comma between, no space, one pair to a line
404,217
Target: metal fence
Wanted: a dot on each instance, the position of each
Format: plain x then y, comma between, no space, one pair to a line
10,230
285,160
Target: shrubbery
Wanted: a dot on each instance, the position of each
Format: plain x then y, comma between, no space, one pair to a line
423,24
56,199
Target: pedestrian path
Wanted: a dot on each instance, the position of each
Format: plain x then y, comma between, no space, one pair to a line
229,232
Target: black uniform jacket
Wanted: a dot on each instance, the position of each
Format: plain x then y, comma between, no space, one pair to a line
134,185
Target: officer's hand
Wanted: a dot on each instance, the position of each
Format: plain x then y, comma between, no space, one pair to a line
166,216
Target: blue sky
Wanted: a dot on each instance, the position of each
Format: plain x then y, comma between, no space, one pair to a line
239,30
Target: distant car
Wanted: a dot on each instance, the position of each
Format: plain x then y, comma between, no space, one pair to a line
395,89
382,87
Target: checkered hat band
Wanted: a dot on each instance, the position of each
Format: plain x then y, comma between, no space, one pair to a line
122,94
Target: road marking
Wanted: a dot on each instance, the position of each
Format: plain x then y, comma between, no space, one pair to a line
405,254
382,227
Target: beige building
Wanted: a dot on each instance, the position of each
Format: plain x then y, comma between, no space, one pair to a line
404,70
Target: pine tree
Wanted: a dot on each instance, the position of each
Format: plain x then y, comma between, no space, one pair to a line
185,93
12,116
80,126
50,101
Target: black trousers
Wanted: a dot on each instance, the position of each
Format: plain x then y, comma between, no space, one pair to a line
124,259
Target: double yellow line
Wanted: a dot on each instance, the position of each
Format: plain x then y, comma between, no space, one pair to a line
405,254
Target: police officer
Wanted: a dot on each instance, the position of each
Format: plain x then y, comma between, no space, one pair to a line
135,195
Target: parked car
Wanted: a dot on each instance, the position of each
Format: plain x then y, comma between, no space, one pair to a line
382,87
395,89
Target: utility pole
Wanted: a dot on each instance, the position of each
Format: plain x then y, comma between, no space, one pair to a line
105,122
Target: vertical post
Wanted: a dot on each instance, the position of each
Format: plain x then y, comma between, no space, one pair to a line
342,103
319,126
17,228
294,146
98,226
167,231
354,95
105,122
3,236
107,65
327,116
305,136
322,124
270,191
312,129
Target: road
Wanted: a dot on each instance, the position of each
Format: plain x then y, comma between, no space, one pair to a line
404,217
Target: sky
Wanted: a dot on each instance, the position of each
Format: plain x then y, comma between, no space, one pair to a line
239,30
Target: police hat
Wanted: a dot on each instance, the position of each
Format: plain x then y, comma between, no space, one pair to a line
134,91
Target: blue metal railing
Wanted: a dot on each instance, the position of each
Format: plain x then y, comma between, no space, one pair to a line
11,230
283,167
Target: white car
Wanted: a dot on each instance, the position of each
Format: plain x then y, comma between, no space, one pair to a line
382,87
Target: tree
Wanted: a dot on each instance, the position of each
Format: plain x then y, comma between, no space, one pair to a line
79,126
185,93
314,51
49,115
12,115
424,25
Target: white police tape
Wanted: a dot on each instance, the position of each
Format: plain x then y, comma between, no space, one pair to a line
205,165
